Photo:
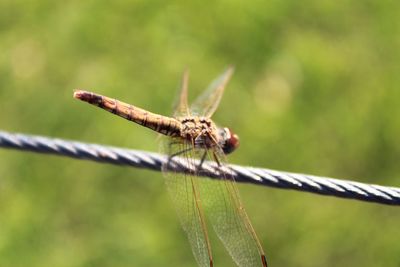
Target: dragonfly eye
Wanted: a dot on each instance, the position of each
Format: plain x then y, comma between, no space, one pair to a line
230,141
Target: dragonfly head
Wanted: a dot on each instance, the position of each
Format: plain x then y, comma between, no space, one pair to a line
229,140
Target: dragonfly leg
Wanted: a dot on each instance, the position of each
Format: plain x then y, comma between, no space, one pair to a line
203,158
179,153
174,142
216,159
168,164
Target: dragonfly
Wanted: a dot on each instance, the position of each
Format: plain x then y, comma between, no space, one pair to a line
191,136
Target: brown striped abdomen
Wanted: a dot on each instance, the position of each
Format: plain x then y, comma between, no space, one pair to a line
165,125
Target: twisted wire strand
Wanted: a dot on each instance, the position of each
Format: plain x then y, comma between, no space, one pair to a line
154,161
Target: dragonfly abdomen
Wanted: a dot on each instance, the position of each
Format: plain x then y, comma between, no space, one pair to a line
162,124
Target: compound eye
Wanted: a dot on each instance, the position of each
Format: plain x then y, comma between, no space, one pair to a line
231,141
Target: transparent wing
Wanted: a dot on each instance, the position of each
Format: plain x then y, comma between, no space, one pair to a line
185,194
206,104
181,108
218,198
227,215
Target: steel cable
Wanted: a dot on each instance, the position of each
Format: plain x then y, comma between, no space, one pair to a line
154,161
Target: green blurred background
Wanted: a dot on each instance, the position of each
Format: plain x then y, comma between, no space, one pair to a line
316,90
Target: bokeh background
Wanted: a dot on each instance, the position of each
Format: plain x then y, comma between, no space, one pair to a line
316,90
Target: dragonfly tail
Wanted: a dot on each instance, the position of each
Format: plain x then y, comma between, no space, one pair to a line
164,125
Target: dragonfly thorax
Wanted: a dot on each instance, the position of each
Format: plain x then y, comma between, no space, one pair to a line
203,133
199,131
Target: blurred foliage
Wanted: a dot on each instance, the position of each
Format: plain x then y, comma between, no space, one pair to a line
316,90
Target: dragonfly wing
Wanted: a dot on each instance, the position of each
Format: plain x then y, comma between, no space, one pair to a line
206,104
181,107
184,191
228,217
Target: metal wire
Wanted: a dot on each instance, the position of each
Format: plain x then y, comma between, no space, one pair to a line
154,161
